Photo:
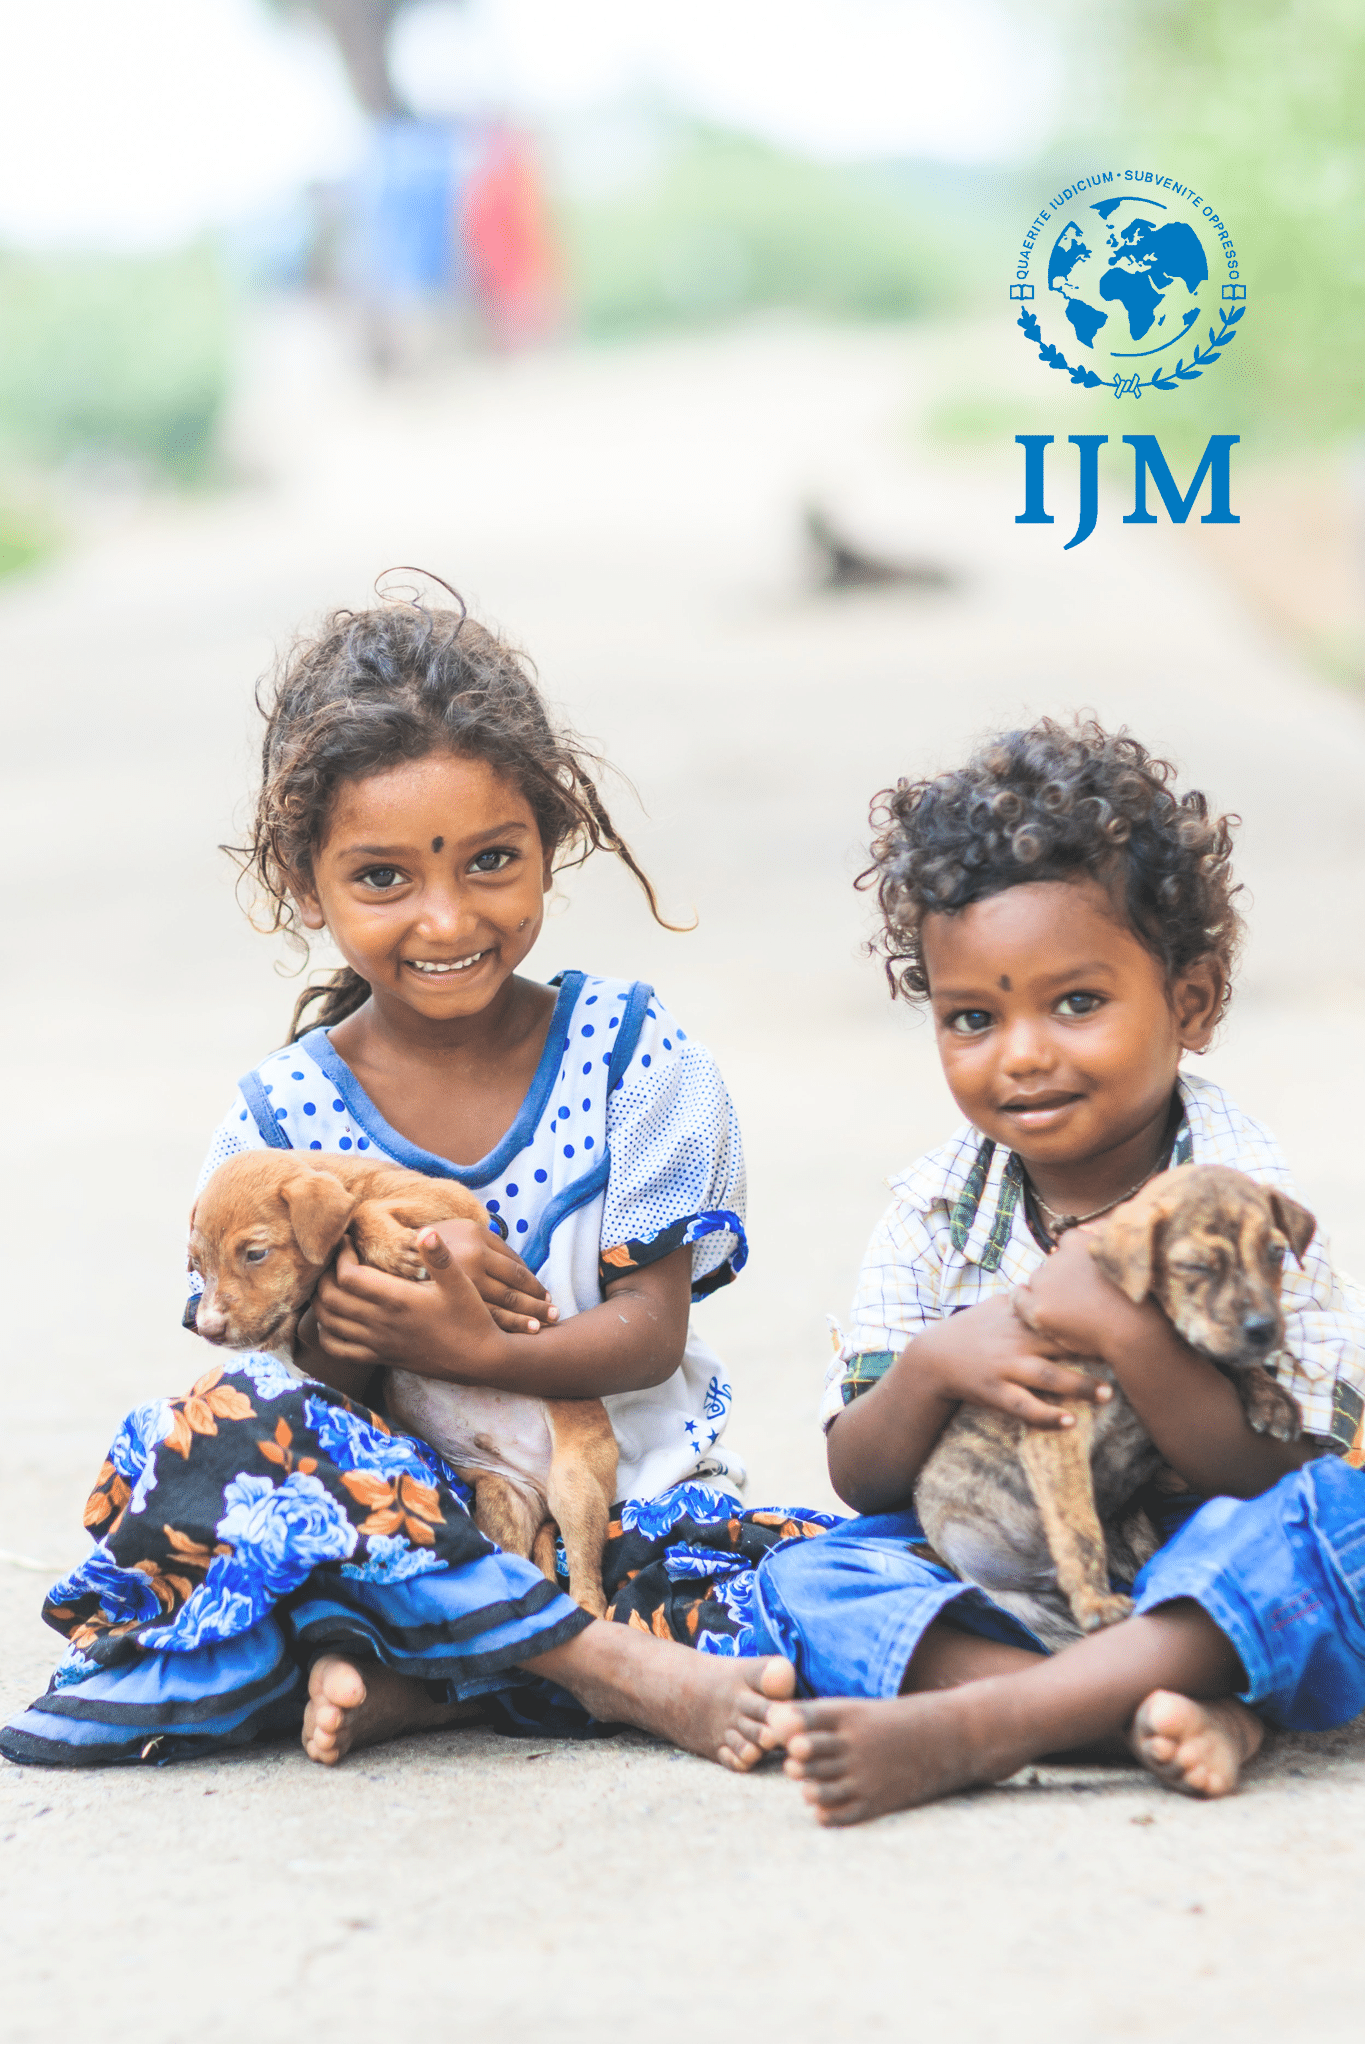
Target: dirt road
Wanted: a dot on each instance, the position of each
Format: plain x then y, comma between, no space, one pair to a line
633,517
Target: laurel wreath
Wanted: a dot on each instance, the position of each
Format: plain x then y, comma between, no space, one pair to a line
1158,381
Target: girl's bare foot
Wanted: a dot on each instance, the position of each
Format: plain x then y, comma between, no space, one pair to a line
1195,1746
717,1707
855,1759
352,1705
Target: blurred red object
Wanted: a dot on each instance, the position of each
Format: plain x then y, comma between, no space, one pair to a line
509,243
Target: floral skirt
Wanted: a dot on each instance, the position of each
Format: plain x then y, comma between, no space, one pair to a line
245,1528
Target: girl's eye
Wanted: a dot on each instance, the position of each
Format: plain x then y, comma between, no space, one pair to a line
381,878
1080,1003
969,1023
492,860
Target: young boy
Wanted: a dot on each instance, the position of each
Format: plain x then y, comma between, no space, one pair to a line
1069,920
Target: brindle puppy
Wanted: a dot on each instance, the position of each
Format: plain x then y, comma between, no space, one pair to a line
1040,1518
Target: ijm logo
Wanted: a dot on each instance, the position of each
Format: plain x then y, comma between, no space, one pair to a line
1148,461
1141,289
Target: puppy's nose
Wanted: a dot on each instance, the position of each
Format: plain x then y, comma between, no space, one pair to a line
1258,1329
210,1322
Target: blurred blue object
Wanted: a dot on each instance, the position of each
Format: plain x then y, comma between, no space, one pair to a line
408,194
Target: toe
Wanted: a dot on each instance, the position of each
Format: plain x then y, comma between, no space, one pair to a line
777,1680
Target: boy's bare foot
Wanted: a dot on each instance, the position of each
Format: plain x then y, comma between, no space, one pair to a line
855,1759
1195,1746
715,1706
352,1705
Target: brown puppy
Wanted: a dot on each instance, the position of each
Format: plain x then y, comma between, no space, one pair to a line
1038,1518
263,1231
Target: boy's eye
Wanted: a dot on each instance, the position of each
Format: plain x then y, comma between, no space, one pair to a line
492,860
1080,1003
969,1023
381,878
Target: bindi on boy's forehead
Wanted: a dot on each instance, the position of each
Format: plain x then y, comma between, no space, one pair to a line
1007,984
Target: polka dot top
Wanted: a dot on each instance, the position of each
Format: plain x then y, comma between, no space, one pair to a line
625,1149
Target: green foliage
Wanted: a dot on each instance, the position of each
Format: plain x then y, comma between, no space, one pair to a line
727,225
114,357
25,539
1259,102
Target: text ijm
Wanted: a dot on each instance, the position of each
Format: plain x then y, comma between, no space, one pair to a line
1148,460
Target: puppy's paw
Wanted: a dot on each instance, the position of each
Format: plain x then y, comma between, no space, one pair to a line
1100,1610
1269,1409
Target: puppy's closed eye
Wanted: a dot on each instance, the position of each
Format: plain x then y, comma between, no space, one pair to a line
255,1253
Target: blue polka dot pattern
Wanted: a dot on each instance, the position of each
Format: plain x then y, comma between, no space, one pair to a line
280,1115
665,1125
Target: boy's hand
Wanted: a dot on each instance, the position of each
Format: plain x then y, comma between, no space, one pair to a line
1069,1303
987,1356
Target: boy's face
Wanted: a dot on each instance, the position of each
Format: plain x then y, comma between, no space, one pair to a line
1057,1032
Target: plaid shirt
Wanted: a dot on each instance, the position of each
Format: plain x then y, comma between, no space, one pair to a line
957,1233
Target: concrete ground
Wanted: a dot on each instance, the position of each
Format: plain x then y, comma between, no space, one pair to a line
633,517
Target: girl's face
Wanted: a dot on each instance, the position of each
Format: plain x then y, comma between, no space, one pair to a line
431,879
1057,1032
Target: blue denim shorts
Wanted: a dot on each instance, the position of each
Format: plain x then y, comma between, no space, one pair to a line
1283,1577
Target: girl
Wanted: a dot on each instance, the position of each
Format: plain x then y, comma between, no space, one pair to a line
1069,920
268,1552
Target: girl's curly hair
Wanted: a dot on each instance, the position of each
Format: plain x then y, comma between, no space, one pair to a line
1046,805
395,684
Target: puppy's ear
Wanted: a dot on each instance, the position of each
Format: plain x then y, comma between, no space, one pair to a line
319,1210
1294,1220
1124,1247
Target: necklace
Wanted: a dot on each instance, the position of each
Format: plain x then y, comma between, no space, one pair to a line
1058,1224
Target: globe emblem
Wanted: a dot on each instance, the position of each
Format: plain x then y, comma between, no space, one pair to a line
1131,292
1139,278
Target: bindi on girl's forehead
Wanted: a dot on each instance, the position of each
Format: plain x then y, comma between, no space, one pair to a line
437,844
1006,984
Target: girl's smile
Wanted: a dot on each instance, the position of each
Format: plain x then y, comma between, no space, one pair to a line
431,880
1059,1035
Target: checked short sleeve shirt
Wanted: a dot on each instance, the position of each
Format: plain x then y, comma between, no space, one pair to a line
957,1232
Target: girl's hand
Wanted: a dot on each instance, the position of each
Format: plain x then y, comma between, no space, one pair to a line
987,1356
1068,1302
439,1327
514,1296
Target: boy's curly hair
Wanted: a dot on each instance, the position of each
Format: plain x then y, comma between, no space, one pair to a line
1045,805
